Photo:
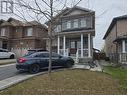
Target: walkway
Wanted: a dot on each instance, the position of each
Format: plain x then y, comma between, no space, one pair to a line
86,66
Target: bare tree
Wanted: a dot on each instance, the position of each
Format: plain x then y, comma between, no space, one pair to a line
40,10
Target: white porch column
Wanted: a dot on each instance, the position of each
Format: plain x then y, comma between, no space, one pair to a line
81,45
89,46
64,45
58,45
123,46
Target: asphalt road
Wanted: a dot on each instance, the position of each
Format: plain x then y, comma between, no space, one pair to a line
8,71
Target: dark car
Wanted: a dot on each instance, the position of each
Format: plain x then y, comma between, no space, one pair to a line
40,60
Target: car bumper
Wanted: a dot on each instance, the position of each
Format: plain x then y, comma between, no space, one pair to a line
22,67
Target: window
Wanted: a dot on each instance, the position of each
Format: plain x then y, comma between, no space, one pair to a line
75,23
82,22
64,25
29,31
78,44
3,30
68,24
72,44
17,29
7,6
57,28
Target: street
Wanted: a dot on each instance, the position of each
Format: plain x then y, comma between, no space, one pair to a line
8,71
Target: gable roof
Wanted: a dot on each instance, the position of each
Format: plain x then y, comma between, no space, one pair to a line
1,21
68,10
15,22
5,23
114,21
78,8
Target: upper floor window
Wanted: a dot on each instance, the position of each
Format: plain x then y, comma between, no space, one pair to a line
68,24
75,23
57,28
18,29
29,31
82,22
6,6
3,30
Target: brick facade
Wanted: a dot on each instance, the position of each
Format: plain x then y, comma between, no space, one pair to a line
16,37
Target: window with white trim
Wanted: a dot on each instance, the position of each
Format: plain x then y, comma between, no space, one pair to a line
72,44
82,22
68,24
75,23
29,31
57,28
3,30
6,6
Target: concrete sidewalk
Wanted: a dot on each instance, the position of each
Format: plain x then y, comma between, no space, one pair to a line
86,66
16,79
7,61
22,77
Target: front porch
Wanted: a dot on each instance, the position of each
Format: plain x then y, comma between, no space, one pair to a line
76,46
121,51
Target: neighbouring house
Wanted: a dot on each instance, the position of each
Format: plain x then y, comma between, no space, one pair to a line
19,36
74,29
116,40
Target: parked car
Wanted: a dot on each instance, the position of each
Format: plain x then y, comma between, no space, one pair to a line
40,60
4,53
31,51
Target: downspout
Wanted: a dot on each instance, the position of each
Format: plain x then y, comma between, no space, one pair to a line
117,55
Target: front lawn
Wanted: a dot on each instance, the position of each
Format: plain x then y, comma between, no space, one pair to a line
118,73
68,82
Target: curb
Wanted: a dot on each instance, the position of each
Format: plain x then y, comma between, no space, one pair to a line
7,61
7,65
6,83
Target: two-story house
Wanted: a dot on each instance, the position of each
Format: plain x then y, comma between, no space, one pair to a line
74,29
19,36
116,39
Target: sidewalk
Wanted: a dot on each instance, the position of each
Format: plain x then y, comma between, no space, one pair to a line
7,61
16,79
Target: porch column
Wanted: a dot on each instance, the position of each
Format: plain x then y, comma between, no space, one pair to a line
89,46
64,45
58,45
123,46
82,45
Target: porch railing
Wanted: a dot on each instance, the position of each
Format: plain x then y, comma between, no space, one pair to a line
85,53
118,57
123,57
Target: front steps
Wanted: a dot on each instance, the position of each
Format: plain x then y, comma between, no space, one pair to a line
82,60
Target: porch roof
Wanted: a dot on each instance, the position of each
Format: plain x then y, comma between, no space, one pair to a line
76,33
120,38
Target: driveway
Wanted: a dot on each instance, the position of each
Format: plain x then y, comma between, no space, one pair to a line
7,71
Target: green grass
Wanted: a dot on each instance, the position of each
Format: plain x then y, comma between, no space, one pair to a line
68,82
118,73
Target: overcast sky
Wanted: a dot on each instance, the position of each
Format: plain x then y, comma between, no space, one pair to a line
105,11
